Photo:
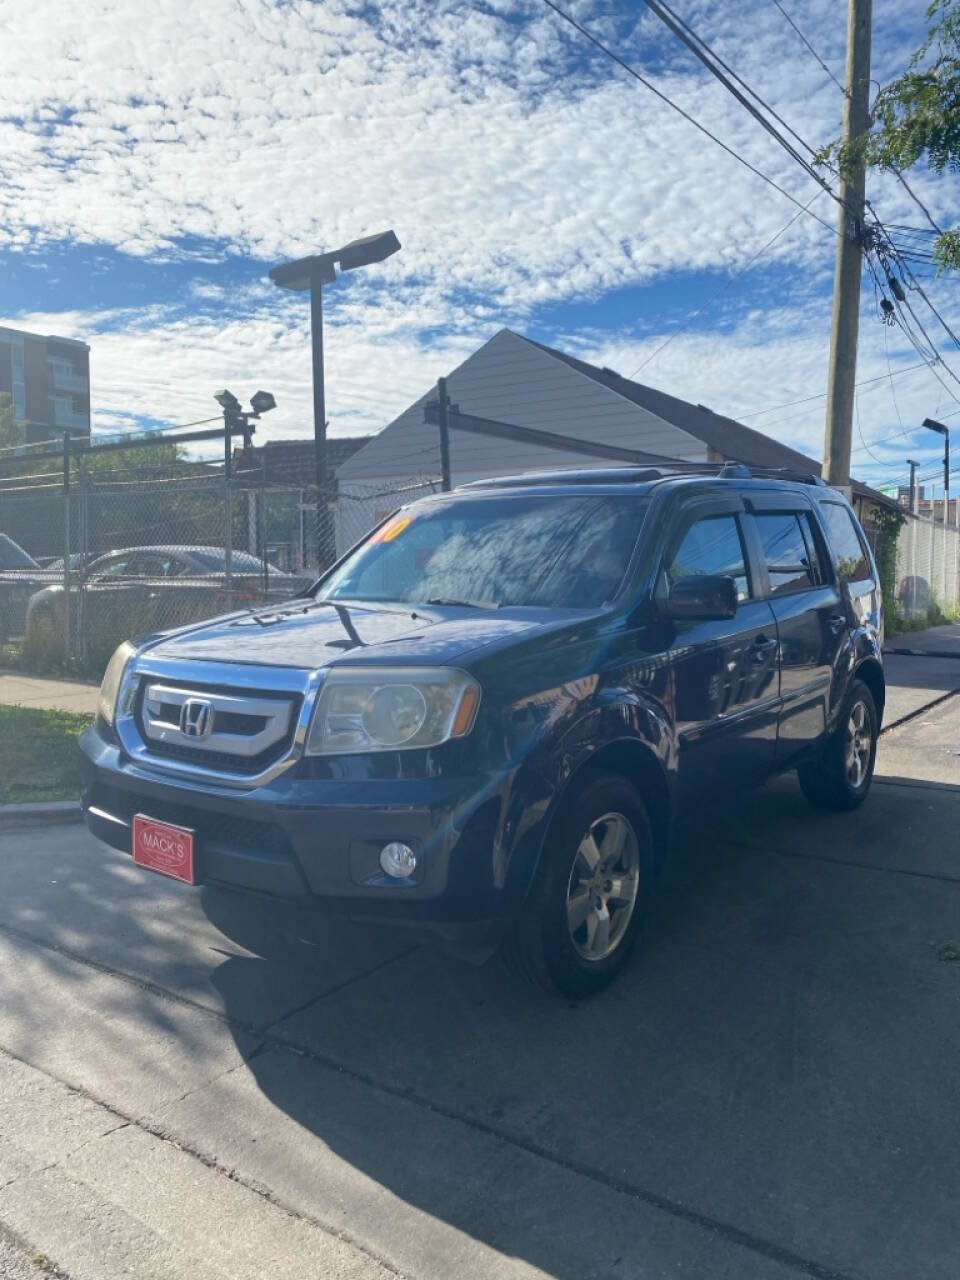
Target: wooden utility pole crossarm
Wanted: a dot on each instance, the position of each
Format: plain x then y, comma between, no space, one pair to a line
846,287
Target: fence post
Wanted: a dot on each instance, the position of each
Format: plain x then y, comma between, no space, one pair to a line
228,510
66,548
933,554
261,527
442,421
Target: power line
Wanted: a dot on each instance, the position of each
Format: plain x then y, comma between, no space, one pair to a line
715,65
588,35
810,47
880,377
894,169
726,285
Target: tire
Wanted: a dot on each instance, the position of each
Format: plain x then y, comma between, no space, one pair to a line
570,937
840,780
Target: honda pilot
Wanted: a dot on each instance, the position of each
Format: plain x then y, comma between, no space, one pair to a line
482,720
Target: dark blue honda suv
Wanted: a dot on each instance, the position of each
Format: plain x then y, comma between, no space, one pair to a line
482,720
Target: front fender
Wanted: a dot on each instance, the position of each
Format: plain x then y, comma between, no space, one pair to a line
621,732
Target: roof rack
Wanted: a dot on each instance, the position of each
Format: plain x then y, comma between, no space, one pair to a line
666,470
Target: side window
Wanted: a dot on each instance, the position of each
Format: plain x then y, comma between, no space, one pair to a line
848,552
148,566
787,555
711,546
116,568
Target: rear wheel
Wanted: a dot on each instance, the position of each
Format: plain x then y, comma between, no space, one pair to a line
840,779
580,920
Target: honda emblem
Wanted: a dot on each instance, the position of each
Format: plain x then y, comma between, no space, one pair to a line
196,718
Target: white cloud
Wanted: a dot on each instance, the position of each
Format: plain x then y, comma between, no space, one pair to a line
518,167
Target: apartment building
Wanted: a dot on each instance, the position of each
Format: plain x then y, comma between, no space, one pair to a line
48,381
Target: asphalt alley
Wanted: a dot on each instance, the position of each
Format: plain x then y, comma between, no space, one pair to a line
769,1091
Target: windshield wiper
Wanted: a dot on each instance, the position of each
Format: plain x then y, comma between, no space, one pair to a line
464,604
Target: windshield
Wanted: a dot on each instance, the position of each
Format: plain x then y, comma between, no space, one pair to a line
569,552
242,561
14,557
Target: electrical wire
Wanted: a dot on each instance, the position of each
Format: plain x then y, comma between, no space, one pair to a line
810,47
726,285
621,62
864,445
756,413
717,68
115,439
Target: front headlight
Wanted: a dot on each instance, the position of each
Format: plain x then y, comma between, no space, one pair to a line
113,679
391,709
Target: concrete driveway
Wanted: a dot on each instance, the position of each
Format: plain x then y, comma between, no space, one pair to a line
768,1092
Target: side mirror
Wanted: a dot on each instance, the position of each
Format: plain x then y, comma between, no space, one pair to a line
702,597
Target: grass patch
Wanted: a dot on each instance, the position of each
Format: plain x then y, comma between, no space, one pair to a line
39,759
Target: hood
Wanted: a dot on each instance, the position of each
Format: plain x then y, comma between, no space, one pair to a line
312,635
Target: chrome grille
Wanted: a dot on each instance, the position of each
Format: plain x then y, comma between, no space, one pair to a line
201,723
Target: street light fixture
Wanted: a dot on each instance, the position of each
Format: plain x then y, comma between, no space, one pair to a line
313,273
236,419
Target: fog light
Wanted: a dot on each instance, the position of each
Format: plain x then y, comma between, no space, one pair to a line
398,860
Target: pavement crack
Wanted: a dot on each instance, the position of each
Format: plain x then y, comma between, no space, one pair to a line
325,995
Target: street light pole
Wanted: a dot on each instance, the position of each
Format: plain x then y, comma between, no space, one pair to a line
319,417
313,273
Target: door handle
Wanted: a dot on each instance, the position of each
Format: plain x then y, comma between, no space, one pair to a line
836,622
761,647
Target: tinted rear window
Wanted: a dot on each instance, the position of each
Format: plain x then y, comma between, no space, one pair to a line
788,557
848,551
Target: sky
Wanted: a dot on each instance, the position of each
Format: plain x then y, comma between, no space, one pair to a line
156,160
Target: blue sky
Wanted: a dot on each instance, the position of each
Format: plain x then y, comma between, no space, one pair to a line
154,163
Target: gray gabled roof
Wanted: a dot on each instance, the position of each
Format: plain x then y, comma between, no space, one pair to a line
729,438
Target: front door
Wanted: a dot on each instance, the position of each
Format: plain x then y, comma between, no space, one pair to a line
724,679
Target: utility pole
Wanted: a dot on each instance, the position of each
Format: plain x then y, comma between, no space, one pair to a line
913,486
846,280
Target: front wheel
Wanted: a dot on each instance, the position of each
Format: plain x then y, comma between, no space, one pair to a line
840,779
580,920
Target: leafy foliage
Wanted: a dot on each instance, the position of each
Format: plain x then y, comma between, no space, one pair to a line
10,434
888,524
916,117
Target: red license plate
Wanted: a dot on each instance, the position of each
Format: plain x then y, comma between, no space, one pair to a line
162,847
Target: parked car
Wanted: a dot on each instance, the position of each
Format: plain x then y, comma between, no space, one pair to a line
142,589
484,718
78,560
20,576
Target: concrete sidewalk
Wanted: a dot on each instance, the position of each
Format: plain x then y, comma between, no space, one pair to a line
942,641
48,694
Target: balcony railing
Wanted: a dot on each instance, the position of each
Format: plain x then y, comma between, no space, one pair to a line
64,381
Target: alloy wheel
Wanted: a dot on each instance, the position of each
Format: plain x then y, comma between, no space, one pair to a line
859,744
603,886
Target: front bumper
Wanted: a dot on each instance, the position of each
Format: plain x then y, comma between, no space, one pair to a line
317,840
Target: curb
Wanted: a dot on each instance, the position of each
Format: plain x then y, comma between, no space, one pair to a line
51,813
923,653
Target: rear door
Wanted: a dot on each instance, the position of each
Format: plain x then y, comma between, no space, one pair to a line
798,582
724,679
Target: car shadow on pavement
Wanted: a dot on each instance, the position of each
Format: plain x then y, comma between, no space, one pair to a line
774,1069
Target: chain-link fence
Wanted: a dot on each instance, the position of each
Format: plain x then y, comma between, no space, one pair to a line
121,553
928,567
